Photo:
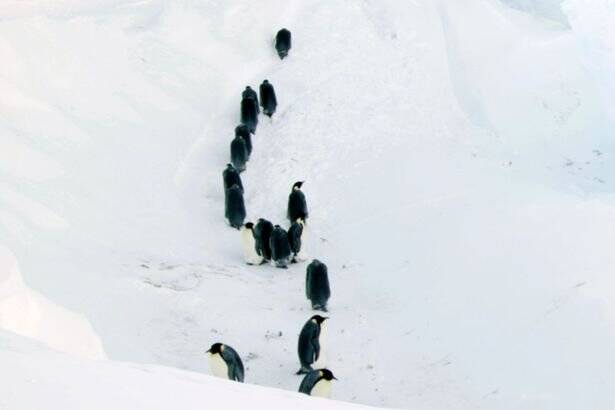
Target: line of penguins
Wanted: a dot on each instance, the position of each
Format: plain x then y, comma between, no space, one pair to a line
264,242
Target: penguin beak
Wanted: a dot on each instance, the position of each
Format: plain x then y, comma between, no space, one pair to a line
335,378
209,351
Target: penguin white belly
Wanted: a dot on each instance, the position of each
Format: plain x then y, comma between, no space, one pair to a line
322,389
302,256
249,248
322,340
218,366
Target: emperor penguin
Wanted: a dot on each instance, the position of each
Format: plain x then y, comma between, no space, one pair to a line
235,209
311,343
280,247
262,233
282,43
297,206
250,93
317,285
268,99
242,131
317,383
239,154
296,236
249,113
248,243
225,362
231,177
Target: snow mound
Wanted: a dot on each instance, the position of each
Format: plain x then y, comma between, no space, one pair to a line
29,313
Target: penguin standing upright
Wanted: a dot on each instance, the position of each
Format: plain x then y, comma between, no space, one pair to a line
282,43
297,206
250,93
249,113
311,341
317,285
317,383
225,362
262,233
280,247
239,153
242,131
231,177
235,209
268,99
296,237
248,243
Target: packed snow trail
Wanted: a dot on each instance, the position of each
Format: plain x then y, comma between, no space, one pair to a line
470,261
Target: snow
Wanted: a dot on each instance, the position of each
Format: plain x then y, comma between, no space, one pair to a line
457,159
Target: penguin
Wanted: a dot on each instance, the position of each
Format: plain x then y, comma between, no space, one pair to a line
243,132
280,247
239,154
231,177
250,93
297,206
249,113
317,383
235,209
296,236
225,362
282,43
249,245
268,99
317,285
262,233
310,347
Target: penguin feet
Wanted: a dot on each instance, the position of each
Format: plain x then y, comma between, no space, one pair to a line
303,370
319,307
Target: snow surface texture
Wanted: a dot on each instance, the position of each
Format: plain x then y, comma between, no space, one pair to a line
457,159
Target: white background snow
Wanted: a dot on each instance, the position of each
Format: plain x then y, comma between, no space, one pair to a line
458,159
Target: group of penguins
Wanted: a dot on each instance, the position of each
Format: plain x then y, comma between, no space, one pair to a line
263,242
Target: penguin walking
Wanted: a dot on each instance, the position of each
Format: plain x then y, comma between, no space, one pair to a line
297,206
248,243
317,383
239,154
262,233
250,93
282,43
225,362
268,99
296,236
249,113
235,209
310,347
231,177
280,247
317,285
242,131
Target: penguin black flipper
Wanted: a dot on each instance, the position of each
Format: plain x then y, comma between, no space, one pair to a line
309,381
308,282
234,363
316,347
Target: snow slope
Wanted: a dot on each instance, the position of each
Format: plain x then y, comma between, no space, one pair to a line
457,159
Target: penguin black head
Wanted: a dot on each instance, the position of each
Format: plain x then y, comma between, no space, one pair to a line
266,81
319,319
298,184
249,225
276,226
216,348
327,374
248,87
230,166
